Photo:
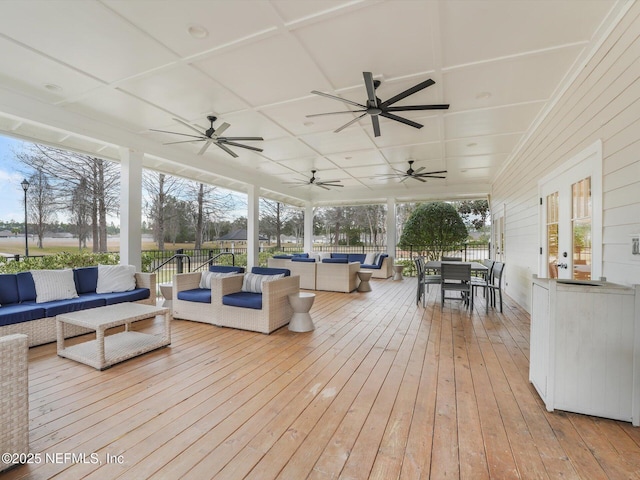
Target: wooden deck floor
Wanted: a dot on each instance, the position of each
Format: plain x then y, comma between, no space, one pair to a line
381,389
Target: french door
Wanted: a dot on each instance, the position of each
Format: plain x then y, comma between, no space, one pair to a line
571,218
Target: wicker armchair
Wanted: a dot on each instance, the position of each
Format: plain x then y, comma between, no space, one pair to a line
275,312
14,385
337,277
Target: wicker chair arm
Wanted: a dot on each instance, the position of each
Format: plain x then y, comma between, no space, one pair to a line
186,281
221,286
276,292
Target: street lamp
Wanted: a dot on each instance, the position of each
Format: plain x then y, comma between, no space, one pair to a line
25,187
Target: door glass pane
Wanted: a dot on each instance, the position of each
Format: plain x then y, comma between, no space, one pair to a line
581,227
552,234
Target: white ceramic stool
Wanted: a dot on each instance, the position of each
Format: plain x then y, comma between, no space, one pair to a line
397,272
364,277
167,292
301,303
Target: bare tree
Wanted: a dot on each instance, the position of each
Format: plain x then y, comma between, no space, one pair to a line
41,203
99,180
160,189
208,204
273,216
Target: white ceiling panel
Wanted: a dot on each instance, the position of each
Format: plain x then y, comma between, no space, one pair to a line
127,66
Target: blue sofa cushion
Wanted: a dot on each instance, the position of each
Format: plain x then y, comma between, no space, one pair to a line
9,289
202,295
130,296
271,271
83,302
226,269
86,279
303,259
357,257
284,257
339,255
26,287
244,300
374,267
17,313
300,255
335,260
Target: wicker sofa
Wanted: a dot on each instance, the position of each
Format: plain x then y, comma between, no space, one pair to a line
14,385
337,276
303,267
226,305
20,313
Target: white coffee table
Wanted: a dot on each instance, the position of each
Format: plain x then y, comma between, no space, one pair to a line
106,351
301,303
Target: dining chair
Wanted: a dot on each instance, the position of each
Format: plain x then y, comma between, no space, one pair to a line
495,285
424,280
483,281
451,259
456,277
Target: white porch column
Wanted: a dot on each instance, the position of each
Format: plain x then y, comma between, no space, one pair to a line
131,208
253,211
308,227
392,233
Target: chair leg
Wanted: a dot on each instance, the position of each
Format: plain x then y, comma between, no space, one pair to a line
500,293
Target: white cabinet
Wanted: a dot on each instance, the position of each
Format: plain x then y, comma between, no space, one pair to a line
585,347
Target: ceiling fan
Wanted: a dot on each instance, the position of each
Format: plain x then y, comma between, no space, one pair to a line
415,174
375,107
315,181
212,135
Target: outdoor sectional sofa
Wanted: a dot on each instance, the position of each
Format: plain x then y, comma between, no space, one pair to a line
226,305
21,313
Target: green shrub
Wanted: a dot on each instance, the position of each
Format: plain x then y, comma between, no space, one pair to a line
58,261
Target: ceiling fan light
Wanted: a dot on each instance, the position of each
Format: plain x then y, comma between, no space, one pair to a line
52,87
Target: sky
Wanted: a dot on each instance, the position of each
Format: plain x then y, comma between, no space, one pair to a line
11,174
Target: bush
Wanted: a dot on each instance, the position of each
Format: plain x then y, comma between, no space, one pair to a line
58,261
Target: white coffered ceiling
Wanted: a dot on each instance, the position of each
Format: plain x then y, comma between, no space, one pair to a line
96,75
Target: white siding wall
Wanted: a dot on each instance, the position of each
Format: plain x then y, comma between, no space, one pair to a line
602,103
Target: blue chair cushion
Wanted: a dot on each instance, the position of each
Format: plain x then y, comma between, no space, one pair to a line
339,255
357,257
18,313
9,289
335,260
83,302
271,271
130,296
86,279
244,300
303,259
374,267
202,295
26,287
226,269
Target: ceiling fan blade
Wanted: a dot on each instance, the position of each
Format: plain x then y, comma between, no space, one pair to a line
320,186
204,147
220,130
349,123
371,91
401,120
338,98
241,139
418,170
255,149
443,106
376,125
299,182
189,126
419,179
407,92
405,178
176,133
185,141
330,184
229,151
424,174
333,113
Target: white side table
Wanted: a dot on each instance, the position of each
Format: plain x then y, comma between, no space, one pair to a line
301,303
364,277
397,272
167,292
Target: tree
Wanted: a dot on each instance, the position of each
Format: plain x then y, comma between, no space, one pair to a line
273,216
161,189
41,203
474,212
435,227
